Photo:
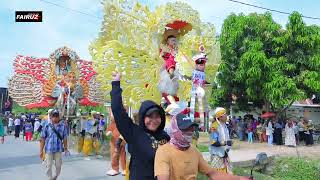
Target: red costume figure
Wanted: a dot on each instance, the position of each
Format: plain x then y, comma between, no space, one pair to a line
116,154
168,84
168,53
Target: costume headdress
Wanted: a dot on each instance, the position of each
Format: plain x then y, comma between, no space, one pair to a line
201,57
220,111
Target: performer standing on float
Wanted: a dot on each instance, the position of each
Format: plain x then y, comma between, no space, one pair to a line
168,84
198,93
220,142
198,83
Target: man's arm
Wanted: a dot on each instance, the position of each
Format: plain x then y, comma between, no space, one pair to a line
214,139
213,175
65,139
42,141
65,144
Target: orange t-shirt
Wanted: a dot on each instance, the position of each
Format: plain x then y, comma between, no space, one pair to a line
179,165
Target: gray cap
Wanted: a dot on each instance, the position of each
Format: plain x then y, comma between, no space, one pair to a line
184,122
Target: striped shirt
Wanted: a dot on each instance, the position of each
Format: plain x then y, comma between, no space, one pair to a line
52,141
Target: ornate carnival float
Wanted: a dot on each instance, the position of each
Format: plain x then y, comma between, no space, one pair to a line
154,50
63,81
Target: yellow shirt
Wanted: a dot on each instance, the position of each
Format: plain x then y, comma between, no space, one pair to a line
179,165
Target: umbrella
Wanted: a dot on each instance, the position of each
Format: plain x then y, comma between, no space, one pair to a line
177,28
268,115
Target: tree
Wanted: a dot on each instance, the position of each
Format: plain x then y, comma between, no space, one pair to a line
264,64
300,46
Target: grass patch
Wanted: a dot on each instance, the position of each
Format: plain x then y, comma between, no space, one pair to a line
246,172
294,168
202,177
242,172
203,148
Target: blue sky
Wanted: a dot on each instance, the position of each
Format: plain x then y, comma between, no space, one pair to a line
64,27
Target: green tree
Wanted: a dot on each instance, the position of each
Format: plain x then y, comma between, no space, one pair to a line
264,64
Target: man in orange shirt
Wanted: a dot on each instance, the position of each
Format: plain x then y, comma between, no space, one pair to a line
114,153
178,160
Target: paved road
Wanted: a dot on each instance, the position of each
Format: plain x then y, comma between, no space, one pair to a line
19,160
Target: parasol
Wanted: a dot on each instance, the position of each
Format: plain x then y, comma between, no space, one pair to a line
268,115
177,28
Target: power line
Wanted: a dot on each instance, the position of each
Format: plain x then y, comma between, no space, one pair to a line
272,10
74,10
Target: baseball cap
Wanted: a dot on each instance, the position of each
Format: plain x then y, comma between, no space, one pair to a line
184,121
55,112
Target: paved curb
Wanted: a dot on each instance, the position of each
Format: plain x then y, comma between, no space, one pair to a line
248,162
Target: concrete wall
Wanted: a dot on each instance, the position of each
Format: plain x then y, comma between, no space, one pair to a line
310,113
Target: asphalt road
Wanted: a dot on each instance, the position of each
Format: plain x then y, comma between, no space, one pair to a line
19,160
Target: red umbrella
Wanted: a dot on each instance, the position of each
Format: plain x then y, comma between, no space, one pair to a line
268,115
177,28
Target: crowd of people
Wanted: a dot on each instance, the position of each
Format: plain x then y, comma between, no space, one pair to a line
154,152
132,137
89,129
273,130
29,125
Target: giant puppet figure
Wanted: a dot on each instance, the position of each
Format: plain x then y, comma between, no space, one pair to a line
63,80
152,50
198,85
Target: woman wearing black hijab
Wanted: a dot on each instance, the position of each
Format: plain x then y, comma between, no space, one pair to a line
143,139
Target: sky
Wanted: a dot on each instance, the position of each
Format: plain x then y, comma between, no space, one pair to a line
64,26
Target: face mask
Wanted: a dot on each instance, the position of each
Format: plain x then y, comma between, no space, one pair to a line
187,136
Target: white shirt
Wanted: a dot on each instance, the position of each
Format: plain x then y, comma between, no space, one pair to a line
91,128
36,126
198,77
10,122
269,129
17,122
